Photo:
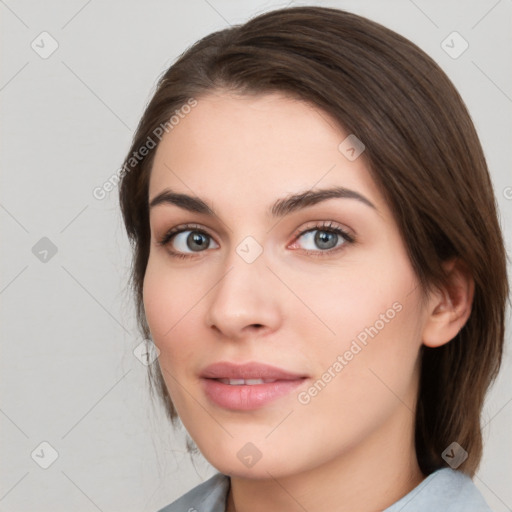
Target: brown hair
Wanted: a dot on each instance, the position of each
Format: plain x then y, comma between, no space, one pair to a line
422,151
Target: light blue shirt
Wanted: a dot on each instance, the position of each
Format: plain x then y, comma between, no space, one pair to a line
445,490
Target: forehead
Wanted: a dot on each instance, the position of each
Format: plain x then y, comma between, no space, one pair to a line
252,149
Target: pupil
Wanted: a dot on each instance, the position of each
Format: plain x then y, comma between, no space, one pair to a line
322,239
198,239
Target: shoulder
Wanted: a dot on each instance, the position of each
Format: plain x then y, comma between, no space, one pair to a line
209,496
445,489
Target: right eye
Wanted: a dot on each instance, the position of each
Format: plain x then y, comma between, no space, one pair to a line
182,239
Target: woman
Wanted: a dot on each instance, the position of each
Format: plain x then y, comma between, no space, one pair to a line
318,259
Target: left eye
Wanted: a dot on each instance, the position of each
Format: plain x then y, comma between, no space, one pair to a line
324,239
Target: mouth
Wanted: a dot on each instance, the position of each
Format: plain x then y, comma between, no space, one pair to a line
247,386
245,382
248,371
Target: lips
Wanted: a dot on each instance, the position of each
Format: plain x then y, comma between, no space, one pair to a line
249,371
247,386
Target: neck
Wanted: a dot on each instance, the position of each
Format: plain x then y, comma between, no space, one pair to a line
366,478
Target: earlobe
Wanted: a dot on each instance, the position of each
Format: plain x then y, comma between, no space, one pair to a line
449,306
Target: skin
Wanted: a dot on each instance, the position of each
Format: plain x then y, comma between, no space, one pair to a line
352,446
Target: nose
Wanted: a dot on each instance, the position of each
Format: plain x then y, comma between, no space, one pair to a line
245,302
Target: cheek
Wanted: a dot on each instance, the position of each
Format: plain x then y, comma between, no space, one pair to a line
363,300
168,305
158,301
365,375
169,296
373,357
168,301
369,335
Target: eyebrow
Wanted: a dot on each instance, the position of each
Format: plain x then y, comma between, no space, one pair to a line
280,208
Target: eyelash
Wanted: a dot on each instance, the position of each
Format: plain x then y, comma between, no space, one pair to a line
326,227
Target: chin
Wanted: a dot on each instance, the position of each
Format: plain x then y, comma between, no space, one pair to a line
249,462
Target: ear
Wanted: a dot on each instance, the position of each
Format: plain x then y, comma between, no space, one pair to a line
449,307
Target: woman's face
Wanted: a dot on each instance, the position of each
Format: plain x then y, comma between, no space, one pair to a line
262,278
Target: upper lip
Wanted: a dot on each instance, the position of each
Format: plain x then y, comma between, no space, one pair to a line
252,370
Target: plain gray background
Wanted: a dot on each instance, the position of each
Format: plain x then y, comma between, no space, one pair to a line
68,373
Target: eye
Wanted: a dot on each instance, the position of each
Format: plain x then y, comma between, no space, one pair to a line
324,239
186,238
183,241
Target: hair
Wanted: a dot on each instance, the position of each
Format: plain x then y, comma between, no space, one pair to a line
423,152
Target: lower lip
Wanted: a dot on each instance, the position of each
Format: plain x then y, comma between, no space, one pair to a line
247,397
